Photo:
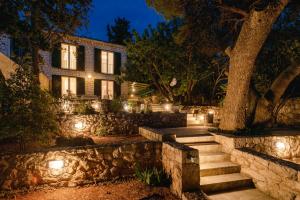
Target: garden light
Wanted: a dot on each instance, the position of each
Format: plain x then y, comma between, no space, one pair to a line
56,164
211,112
280,145
126,107
167,107
79,125
89,76
95,106
201,117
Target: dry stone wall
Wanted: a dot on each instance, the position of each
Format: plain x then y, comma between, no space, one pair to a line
281,146
118,123
277,178
76,166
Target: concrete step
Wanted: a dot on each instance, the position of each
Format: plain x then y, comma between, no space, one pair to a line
212,169
206,146
192,138
218,183
213,157
244,194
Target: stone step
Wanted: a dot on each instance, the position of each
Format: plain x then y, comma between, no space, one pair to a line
195,138
213,157
211,169
205,146
244,194
218,183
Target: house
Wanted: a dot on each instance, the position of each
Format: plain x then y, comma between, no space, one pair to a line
79,66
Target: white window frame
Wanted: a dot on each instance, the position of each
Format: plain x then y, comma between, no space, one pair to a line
71,62
73,91
105,94
108,64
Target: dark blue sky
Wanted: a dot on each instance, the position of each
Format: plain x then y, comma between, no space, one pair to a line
104,12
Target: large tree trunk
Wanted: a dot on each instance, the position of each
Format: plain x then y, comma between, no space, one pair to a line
242,59
267,104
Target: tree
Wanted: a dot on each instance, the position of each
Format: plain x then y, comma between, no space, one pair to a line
119,32
30,113
38,24
154,57
249,24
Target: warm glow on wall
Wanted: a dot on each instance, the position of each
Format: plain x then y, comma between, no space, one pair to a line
280,146
56,164
79,125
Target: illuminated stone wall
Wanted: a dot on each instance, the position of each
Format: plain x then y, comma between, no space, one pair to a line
277,178
281,146
76,166
204,110
118,123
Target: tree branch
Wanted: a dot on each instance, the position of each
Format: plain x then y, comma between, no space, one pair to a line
234,10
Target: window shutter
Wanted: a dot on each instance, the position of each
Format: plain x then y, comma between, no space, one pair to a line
56,85
97,60
117,90
56,56
80,58
117,63
80,86
97,87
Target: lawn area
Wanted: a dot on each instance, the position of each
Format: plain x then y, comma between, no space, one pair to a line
125,190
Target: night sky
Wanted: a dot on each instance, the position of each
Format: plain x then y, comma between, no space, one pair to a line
104,12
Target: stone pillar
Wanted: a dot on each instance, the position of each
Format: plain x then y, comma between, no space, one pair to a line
182,164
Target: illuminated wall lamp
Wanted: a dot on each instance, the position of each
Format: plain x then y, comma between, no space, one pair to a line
56,164
79,125
167,107
126,108
89,76
280,146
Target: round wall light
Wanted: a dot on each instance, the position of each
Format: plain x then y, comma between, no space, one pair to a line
280,145
56,164
79,125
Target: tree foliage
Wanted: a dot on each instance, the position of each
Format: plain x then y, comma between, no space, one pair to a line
119,32
37,24
27,112
154,57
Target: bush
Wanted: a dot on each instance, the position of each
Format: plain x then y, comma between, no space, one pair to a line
84,108
152,176
115,105
29,115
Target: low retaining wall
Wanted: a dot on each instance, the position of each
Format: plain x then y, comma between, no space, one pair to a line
76,166
283,146
118,123
277,178
182,164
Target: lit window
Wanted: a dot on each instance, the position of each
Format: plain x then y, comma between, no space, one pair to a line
107,62
107,90
68,56
68,86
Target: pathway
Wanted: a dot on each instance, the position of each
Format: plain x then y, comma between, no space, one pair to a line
220,178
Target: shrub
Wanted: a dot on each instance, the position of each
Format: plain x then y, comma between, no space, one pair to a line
152,176
30,113
115,105
84,108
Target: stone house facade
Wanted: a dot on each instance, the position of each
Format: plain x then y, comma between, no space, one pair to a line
80,66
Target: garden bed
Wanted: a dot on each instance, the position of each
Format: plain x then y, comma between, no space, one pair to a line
124,190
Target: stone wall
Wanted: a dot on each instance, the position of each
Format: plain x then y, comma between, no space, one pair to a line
76,166
289,114
182,164
281,146
277,178
118,123
204,110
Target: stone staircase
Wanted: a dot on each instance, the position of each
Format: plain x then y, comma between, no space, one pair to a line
157,108
220,179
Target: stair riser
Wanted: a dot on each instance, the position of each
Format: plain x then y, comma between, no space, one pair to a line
219,187
220,171
195,139
208,148
214,158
